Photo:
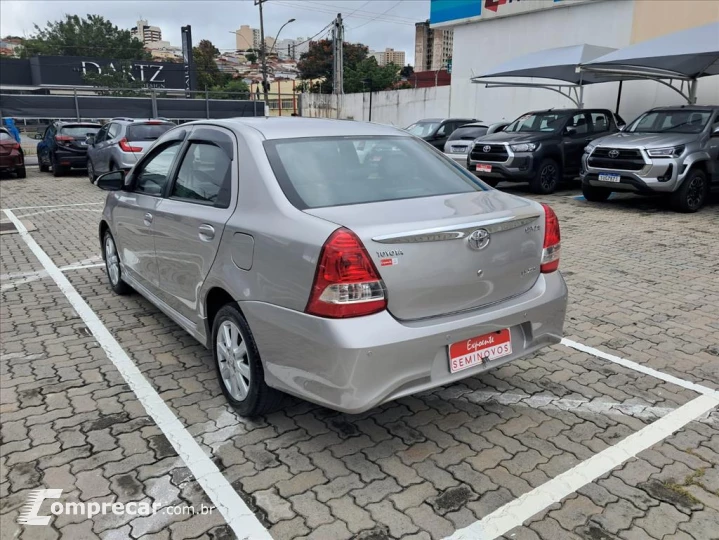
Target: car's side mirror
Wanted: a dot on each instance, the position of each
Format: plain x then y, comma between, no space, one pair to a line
37,136
715,132
90,140
112,181
570,130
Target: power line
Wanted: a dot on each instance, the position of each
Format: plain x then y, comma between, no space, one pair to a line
359,10
370,15
371,20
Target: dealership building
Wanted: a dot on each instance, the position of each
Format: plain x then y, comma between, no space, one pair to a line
488,33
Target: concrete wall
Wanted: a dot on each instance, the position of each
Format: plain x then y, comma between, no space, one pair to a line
480,46
398,107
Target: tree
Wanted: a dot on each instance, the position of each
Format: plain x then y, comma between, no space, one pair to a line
120,77
233,89
406,72
369,74
91,36
316,63
251,58
208,74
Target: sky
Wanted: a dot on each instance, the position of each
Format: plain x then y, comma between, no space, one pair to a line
376,23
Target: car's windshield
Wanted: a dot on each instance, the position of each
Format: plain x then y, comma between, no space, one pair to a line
147,132
79,132
5,136
670,121
537,122
468,133
423,129
333,171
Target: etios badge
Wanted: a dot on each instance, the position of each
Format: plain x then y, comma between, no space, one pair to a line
479,239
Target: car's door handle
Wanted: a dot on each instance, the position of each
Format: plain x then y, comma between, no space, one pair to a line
148,219
207,232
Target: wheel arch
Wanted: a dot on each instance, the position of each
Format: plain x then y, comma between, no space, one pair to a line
215,299
102,228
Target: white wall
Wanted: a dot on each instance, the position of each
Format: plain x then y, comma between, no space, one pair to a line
479,47
397,107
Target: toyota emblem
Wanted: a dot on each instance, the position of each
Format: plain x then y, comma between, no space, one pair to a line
486,148
479,239
614,153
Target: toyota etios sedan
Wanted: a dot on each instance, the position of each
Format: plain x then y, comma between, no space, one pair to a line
313,268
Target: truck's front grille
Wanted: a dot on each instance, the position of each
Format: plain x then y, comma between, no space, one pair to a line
489,152
626,159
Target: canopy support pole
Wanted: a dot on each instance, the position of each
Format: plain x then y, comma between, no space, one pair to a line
581,91
692,97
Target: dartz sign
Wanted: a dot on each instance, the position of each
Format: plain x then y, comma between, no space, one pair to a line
148,74
72,71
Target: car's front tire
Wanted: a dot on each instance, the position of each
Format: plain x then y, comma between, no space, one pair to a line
112,265
595,194
547,178
44,167
91,171
692,194
238,364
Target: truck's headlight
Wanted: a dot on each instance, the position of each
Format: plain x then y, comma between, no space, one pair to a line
524,147
588,149
670,151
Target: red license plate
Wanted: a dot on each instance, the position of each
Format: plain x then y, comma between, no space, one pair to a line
483,168
478,350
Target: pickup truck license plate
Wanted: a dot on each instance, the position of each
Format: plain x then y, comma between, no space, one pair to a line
483,168
608,177
478,350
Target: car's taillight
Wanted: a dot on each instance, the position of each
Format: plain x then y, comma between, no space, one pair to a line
347,283
126,147
550,253
63,140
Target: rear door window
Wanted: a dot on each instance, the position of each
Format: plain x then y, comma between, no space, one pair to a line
79,132
332,171
147,132
600,122
204,176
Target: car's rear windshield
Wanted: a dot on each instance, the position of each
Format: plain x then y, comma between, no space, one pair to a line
79,131
147,132
670,121
467,133
336,171
5,136
423,129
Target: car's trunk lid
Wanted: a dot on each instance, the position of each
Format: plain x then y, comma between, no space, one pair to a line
428,259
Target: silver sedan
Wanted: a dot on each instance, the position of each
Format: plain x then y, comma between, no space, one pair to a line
342,262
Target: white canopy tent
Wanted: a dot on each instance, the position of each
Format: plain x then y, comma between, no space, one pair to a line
558,64
676,60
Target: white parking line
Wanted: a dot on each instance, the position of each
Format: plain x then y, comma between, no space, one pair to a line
514,513
640,368
21,278
236,513
53,206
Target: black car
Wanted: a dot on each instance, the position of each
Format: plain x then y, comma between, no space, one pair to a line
64,146
436,130
541,147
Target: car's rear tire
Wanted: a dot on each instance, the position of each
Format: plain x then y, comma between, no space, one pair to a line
692,194
238,365
21,172
547,178
112,265
595,194
57,169
91,171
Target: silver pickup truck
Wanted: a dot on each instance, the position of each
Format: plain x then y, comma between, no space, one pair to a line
668,150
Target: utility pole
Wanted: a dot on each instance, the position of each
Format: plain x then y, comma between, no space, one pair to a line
338,35
263,54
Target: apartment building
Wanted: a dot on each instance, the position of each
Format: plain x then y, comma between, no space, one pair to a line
146,33
247,38
389,56
432,47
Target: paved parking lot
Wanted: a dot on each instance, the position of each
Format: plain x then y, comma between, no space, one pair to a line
613,434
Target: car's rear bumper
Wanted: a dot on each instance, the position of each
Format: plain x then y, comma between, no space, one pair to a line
11,162
71,159
352,365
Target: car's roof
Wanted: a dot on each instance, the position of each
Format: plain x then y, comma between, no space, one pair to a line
474,124
295,127
687,108
64,123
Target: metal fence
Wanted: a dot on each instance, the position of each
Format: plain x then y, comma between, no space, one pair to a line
84,103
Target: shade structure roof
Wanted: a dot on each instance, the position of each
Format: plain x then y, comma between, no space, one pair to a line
559,64
687,54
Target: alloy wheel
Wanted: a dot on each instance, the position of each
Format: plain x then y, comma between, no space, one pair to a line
90,171
548,177
112,261
695,192
233,360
